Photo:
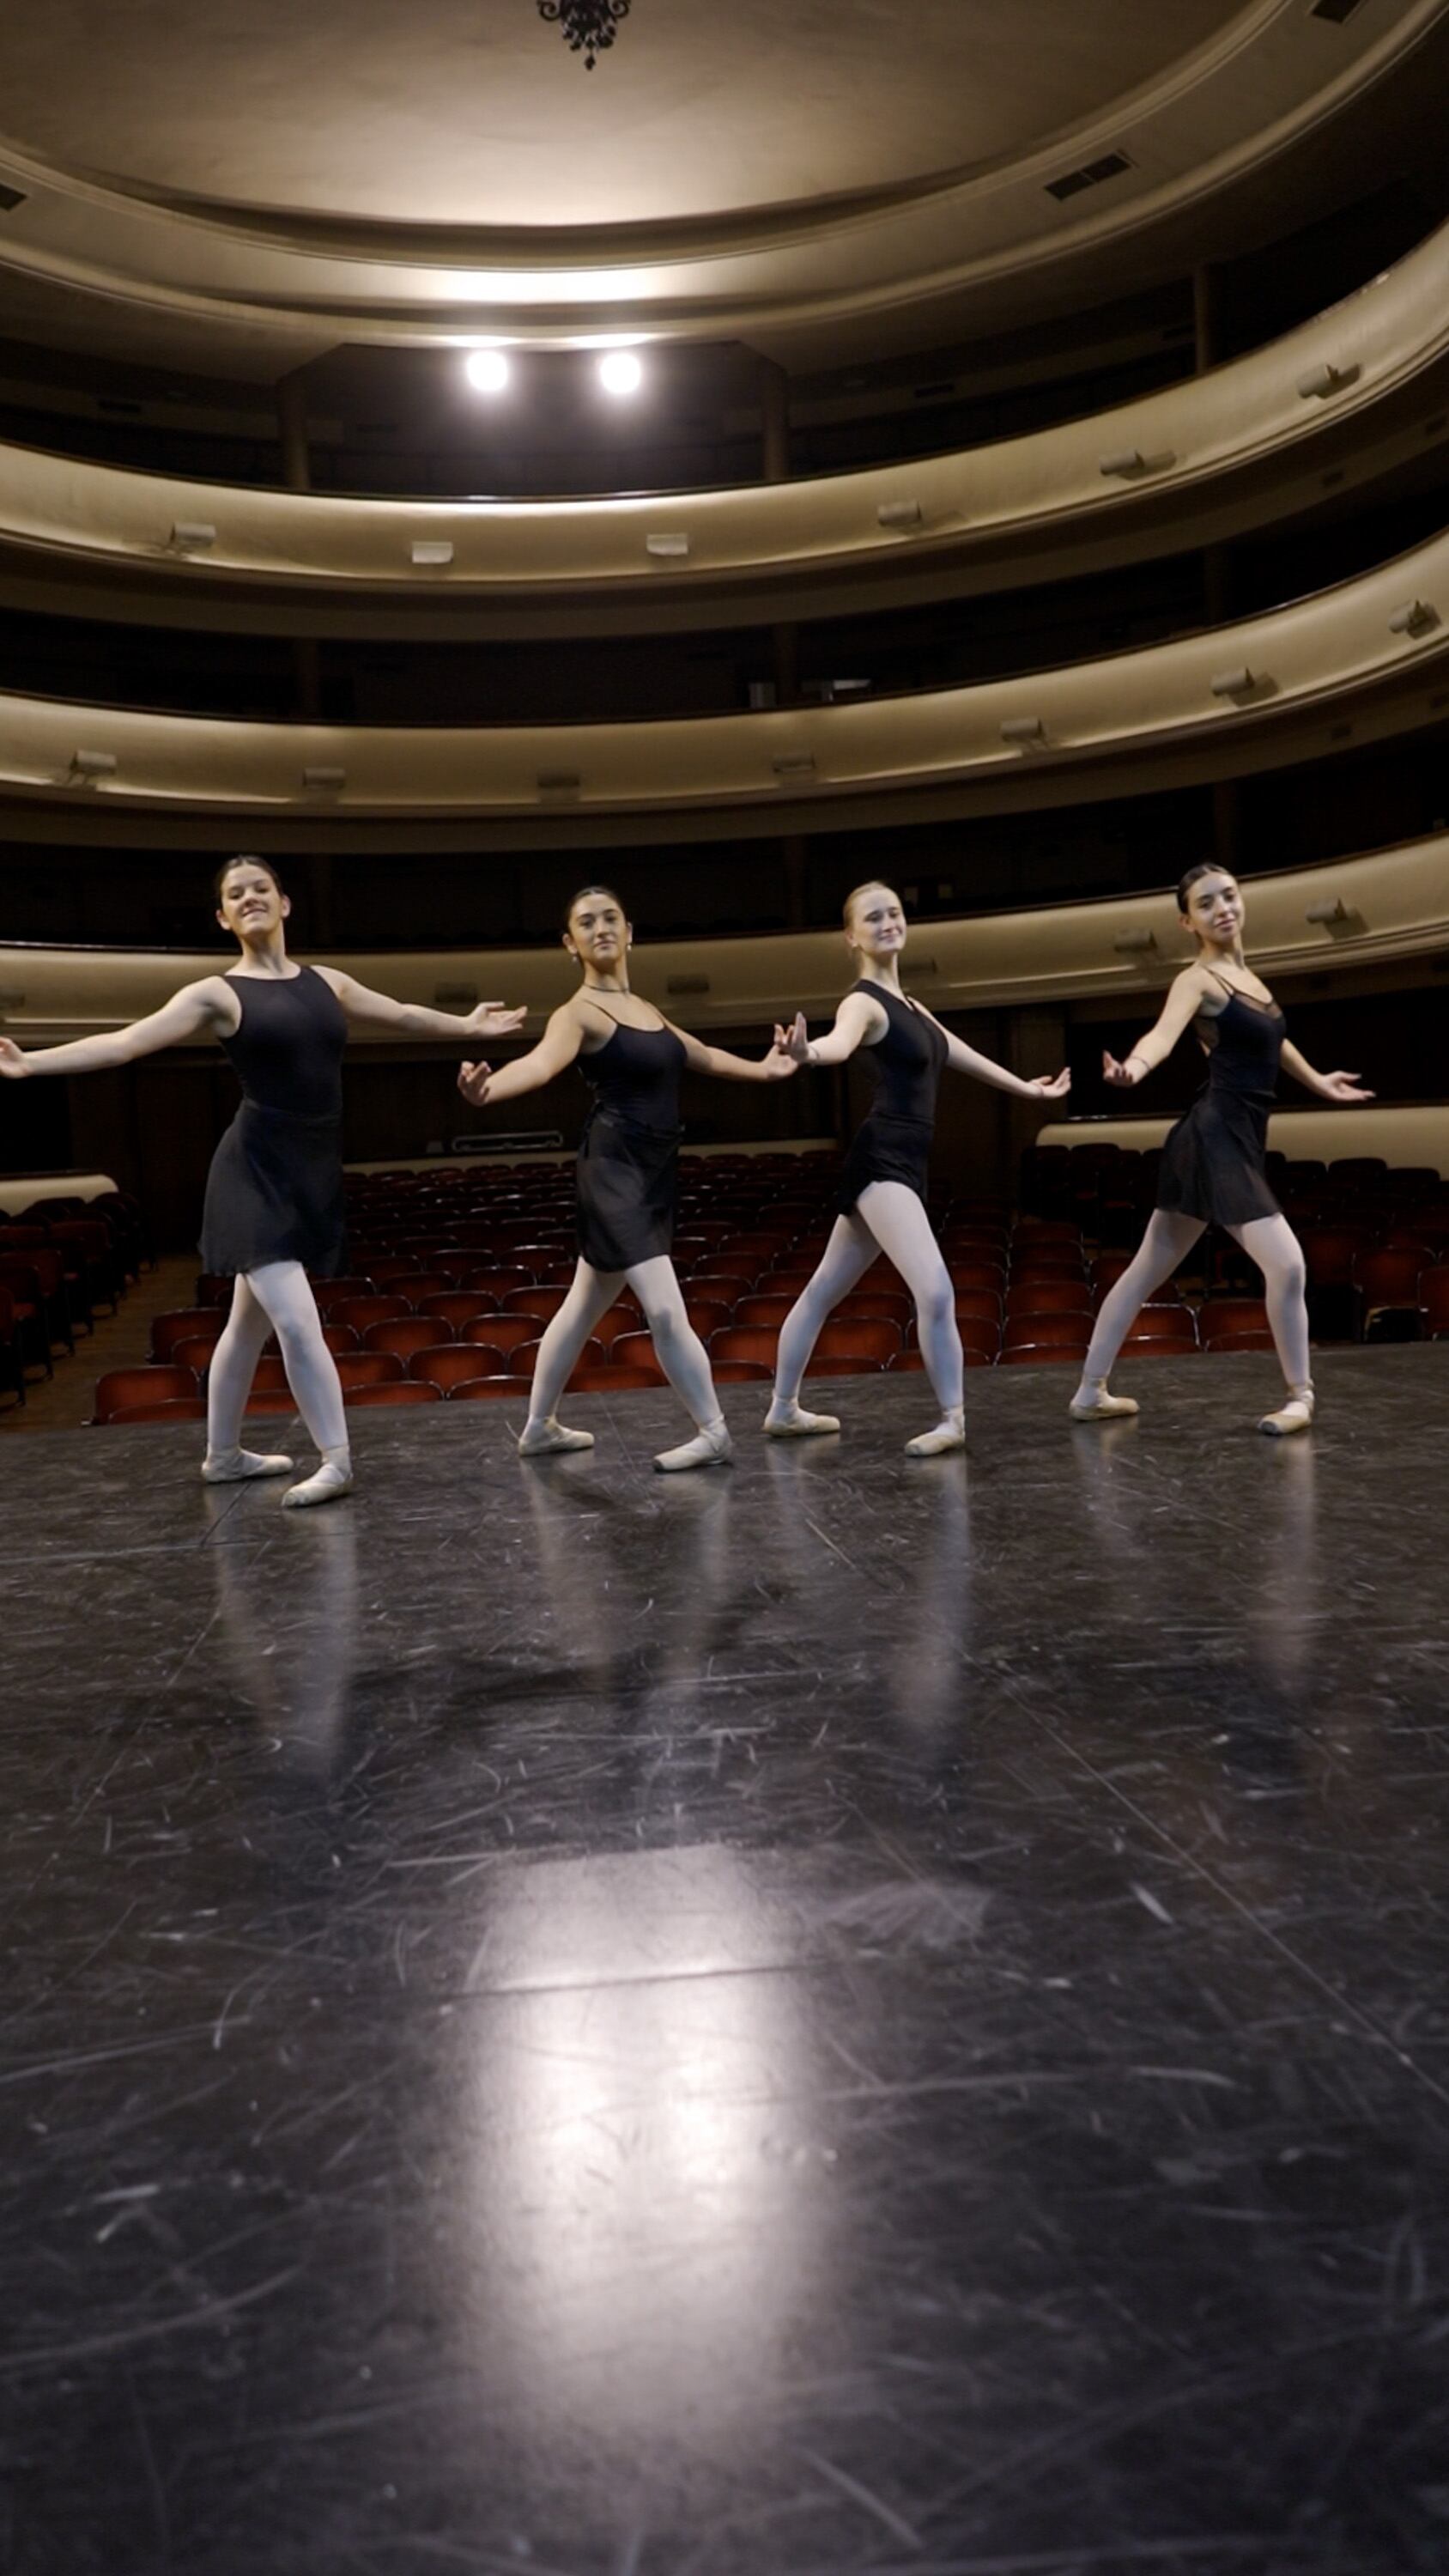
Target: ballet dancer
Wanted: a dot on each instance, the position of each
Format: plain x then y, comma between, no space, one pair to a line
633,1059
881,1203
274,1203
1212,1170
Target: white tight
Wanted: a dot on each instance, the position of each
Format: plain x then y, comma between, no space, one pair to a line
681,1353
887,1218
275,1299
1269,1241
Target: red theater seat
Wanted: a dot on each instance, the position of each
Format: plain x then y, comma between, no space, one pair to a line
123,1388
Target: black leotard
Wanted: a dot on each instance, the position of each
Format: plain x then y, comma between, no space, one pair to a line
1212,1161
629,1151
274,1191
893,1140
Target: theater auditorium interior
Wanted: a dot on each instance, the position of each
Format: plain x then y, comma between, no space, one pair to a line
877,2004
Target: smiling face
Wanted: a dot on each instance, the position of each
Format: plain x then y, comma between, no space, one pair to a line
250,903
1213,909
875,925
598,934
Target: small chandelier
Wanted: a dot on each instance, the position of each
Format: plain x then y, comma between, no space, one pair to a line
587,25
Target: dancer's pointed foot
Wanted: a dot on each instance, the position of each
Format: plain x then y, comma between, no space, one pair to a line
1092,1403
787,1420
710,1447
331,1480
540,1437
236,1466
950,1433
1296,1414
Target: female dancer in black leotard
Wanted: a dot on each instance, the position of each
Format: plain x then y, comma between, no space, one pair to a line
1213,1161
274,1192
880,1207
633,1059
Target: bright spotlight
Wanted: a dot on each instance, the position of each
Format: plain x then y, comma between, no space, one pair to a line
620,372
487,371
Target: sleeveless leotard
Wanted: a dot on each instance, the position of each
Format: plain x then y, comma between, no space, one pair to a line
1213,1159
274,1191
893,1140
627,1173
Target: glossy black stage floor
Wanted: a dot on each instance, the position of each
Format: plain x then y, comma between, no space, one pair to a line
827,2016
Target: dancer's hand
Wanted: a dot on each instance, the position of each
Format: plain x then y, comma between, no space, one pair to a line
494,1020
1123,1077
1342,1086
788,1052
12,1061
1053,1087
473,1080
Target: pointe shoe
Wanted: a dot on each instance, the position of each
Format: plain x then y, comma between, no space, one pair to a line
331,1480
792,1422
542,1439
1094,1404
949,1433
1294,1415
709,1448
238,1466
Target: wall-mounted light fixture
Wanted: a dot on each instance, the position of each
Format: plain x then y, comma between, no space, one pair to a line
1134,943
620,372
1331,909
1322,381
192,536
88,766
487,370
794,764
667,545
432,550
899,514
1024,730
1416,617
321,778
1237,683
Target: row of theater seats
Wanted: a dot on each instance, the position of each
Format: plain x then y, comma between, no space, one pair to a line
456,1274
61,1261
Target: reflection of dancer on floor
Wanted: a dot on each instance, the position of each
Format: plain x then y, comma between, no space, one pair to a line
627,1173
1213,1161
274,1205
881,1203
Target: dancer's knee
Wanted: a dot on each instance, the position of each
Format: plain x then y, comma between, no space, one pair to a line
1290,1275
936,1305
669,1328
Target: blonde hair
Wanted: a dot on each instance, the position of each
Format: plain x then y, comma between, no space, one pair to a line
872,885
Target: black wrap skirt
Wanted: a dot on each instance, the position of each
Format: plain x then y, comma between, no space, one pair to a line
274,1193
884,1148
1213,1161
627,1181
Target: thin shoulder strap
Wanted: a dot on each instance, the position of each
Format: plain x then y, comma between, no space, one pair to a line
1228,988
594,1005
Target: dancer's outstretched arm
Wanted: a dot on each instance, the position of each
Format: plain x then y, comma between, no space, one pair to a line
858,1020
775,1065
1340,1087
415,1019
1184,1000
198,1010
556,1050
984,1068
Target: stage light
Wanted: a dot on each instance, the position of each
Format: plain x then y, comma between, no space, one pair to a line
620,372
487,370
